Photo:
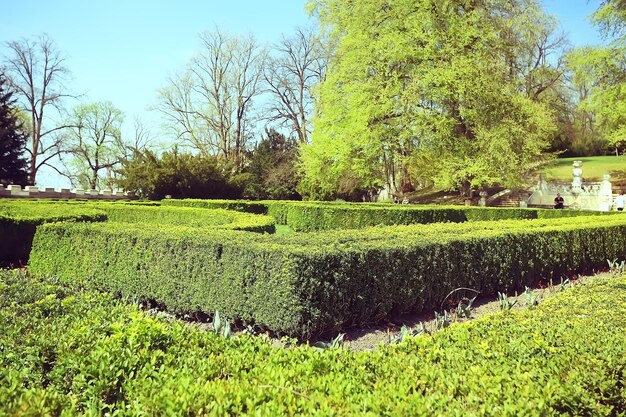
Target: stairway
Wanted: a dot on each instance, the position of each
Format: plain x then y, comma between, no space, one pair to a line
508,198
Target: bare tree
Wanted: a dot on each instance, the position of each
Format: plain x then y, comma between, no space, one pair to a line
142,138
178,102
249,62
36,71
209,104
299,65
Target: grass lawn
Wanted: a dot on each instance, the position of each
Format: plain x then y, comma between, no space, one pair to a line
594,167
283,229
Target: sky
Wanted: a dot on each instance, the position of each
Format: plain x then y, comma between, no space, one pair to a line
124,50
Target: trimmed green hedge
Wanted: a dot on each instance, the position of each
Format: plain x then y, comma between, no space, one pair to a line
236,205
19,219
186,216
70,354
307,284
314,216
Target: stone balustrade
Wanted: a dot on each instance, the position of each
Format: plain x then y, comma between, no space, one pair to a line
16,191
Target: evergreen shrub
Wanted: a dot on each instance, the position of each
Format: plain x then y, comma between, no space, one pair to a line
304,216
187,216
306,284
20,218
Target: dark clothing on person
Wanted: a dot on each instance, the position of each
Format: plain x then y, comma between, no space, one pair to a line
558,202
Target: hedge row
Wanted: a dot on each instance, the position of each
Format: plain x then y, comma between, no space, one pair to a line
185,216
255,207
314,216
87,354
307,284
19,219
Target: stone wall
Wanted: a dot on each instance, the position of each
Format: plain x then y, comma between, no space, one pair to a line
16,191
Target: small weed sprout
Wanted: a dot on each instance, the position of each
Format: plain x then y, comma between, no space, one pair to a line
442,320
221,327
336,343
564,284
406,332
505,302
530,298
464,308
616,268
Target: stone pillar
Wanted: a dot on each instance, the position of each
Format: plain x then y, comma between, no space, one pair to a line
15,190
577,185
483,199
577,173
606,194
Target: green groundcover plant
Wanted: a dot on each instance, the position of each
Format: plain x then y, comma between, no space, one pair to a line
85,353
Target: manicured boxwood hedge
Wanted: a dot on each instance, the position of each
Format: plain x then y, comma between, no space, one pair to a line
314,216
186,216
85,353
255,207
19,219
305,284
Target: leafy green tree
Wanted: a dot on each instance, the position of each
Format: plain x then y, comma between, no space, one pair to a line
423,89
180,175
600,73
13,166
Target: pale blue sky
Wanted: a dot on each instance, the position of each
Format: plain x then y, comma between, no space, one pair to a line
124,50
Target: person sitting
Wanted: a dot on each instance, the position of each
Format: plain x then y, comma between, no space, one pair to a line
558,201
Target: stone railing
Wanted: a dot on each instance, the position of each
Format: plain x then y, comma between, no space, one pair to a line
16,191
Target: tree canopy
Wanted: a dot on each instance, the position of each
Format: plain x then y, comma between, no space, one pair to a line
424,89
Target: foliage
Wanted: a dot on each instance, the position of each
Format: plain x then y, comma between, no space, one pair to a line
19,219
306,284
424,90
221,327
272,166
185,216
13,168
307,216
77,353
616,268
406,332
256,207
600,70
95,144
179,175
530,298
611,18
505,302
